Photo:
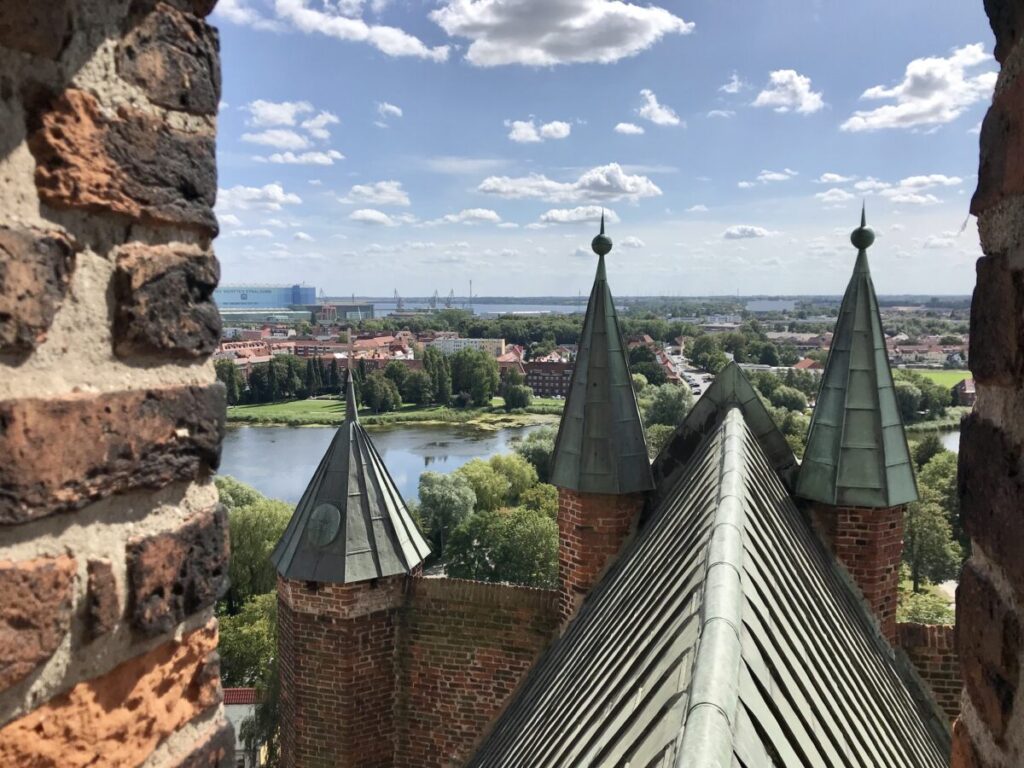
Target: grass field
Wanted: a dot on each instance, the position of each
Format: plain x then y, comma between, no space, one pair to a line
948,379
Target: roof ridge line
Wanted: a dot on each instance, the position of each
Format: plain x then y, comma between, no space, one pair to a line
707,737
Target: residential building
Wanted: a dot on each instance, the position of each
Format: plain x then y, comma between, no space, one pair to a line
449,346
239,705
548,379
964,393
251,297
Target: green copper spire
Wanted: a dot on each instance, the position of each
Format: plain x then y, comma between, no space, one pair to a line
856,448
601,446
351,524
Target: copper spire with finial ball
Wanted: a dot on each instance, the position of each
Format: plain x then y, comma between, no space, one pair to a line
602,244
863,236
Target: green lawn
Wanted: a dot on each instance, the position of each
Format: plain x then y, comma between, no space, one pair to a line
948,379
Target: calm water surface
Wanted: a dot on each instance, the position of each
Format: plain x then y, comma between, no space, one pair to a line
279,461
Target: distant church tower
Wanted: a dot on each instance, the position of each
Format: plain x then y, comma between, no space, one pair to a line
856,467
343,564
600,462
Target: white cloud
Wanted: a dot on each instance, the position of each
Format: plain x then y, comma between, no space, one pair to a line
269,113
929,181
789,90
766,177
659,114
629,129
835,196
386,110
745,184
470,216
723,113
591,213
934,91
378,193
976,130
280,138
911,190
632,242
605,182
463,166
945,240
303,158
734,85
910,198
315,182
556,129
270,197
526,132
317,126
871,184
543,33
332,22
229,219
252,233
746,232
304,237
239,12
833,178
699,208
373,217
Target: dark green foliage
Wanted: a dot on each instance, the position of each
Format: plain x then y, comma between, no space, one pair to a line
438,368
445,501
657,437
919,398
537,448
248,640
418,388
228,375
475,373
789,398
705,352
925,449
398,372
518,396
380,394
518,545
541,498
669,405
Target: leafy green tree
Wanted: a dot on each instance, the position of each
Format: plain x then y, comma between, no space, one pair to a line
248,640
789,398
520,474
445,501
658,436
397,372
928,546
541,498
227,373
380,393
256,524
418,388
908,400
639,383
653,372
669,405
706,353
490,486
437,367
518,396
642,354
924,608
925,449
537,448
517,545
937,483
475,373
262,729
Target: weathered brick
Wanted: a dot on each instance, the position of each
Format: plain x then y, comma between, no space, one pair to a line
217,750
118,719
931,648
130,163
164,299
42,28
989,642
62,453
1001,167
996,322
173,57
991,492
1006,18
35,272
172,575
103,608
35,613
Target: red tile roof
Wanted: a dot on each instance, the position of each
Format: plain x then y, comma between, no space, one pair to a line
239,696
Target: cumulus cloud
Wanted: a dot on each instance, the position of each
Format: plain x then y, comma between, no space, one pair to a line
912,190
835,196
279,138
264,113
629,129
944,240
269,197
373,217
378,193
605,182
723,113
470,216
833,178
542,33
766,177
252,233
934,91
556,129
386,110
734,85
652,110
229,219
304,237
241,12
745,184
632,242
788,90
317,126
591,213
699,208
527,132
303,158
746,232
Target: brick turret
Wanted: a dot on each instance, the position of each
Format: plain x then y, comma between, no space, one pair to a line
600,463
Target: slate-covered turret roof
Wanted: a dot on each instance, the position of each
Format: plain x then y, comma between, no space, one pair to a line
856,451
601,446
724,635
351,524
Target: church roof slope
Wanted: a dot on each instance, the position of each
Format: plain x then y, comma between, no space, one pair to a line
856,451
723,636
351,524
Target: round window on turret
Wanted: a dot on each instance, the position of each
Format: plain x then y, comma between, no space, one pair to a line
324,524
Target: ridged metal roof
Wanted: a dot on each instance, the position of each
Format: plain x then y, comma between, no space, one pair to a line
601,446
724,635
351,524
856,451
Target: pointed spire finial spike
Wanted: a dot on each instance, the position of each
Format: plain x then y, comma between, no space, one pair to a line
863,213
602,221
863,236
602,244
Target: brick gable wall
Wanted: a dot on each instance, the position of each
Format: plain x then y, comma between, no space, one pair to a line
931,648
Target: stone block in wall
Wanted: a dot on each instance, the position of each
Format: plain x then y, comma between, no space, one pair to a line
989,642
173,57
164,301
128,162
35,272
119,718
40,28
996,322
1001,167
35,613
103,607
174,574
1007,20
964,755
62,453
991,491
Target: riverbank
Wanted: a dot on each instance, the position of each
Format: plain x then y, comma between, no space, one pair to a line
326,412
950,422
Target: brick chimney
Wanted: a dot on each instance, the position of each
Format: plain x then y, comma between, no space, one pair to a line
343,568
856,470
600,463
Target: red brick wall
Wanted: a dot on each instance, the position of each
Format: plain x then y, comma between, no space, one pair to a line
869,543
336,657
931,648
591,530
464,648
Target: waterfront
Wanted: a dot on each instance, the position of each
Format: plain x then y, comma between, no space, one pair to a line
279,461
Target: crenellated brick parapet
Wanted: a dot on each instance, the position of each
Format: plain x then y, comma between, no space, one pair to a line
931,648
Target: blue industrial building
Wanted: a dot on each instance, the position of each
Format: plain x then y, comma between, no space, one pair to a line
263,296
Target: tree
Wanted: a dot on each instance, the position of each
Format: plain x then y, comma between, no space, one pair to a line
397,372
537,448
928,447
476,373
491,487
518,396
256,524
445,501
380,393
227,373
520,474
419,388
928,546
937,483
639,383
657,437
653,372
669,405
789,398
908,400
436,366
541,498
517,545
248,641
706,353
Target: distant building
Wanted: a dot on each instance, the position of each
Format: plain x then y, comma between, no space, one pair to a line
263,296
548,379
807,364
240,704
964,394
449,346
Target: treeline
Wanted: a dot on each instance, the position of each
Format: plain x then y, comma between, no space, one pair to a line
748,344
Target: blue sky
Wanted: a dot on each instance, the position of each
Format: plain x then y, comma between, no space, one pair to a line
372,145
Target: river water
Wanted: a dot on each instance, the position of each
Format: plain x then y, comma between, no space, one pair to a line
279,461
